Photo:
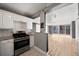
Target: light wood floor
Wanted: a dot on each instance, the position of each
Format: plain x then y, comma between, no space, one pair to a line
33,52
61,45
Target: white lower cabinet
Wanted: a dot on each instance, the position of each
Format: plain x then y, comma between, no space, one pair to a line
31,40
7,48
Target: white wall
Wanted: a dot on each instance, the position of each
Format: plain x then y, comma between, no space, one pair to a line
77,36
46,29
37,21
64,15
29,23
77,29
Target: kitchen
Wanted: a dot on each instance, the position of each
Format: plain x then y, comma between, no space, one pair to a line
29,29
13,29
9,25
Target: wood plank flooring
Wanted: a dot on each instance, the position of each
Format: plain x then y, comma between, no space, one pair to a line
61,45
33,52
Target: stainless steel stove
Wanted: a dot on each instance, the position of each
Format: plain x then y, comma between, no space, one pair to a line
21,42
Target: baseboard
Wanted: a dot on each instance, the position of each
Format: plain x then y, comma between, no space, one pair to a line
40,50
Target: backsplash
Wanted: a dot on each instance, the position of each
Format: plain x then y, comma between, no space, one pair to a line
5,32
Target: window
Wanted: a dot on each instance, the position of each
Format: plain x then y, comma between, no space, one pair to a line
67,29
62,29
53,29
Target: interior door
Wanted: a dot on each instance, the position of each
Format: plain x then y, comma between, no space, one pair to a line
73,29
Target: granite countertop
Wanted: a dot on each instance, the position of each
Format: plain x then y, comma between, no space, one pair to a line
6,38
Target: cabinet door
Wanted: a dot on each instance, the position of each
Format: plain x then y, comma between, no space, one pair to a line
10,20
0,48
7,21
4,21
7,48
31,41
10,48
1,20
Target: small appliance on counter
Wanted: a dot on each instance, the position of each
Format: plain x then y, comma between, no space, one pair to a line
21,42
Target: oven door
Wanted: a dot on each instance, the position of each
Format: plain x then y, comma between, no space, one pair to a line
20,44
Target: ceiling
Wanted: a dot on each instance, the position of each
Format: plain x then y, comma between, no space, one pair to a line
25,9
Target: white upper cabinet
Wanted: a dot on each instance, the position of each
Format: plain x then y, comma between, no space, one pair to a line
6,21
19,18
19,26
